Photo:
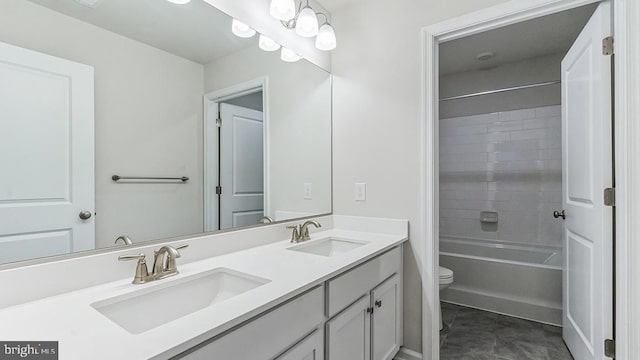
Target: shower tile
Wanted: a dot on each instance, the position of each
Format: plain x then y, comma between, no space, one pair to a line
517,115
555,110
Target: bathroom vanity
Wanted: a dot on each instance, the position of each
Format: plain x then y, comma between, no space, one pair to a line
361,302
336,296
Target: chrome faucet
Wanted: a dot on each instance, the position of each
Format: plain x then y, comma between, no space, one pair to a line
164,264
266,220
301,232
125,240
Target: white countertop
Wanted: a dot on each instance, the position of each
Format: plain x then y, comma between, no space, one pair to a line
84,333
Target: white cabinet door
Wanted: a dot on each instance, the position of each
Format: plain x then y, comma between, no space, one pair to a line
47,155
241,166
311,348
587,170
387,319
269,334
349,333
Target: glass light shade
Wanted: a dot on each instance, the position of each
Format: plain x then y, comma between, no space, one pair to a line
267,44
241,29
282,9
326,39
288,55
307,24
179,2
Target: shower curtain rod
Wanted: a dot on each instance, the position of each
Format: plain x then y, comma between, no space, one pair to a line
546,83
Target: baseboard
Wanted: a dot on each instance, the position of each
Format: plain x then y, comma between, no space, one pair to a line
406,354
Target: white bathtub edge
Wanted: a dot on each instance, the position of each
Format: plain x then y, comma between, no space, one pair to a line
545,313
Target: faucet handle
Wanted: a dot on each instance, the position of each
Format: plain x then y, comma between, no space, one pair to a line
138,257
295,235
142,272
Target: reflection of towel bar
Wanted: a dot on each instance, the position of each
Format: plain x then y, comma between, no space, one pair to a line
118,178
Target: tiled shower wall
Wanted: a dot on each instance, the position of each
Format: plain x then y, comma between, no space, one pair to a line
508,162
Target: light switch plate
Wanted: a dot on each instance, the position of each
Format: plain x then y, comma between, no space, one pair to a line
307,191
360,191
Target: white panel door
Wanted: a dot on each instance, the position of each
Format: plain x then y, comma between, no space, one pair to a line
387,319
349,333
46,155
587,171
311,348
241,166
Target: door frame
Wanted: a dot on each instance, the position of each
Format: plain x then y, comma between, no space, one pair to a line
626,15
210,173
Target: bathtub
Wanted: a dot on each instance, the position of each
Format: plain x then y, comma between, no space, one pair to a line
508,278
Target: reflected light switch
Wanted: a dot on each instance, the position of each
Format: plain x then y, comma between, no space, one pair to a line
307,191
360,191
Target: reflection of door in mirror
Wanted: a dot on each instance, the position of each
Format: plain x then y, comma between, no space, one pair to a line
241,159
47,187
241,166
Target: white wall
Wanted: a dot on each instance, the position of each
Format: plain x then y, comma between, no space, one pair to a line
530,71
509,162
299,125
148,121
377,124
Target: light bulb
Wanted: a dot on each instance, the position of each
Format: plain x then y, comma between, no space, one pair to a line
307,24
288,55
179,2
283,9
267,44
241,29
326,39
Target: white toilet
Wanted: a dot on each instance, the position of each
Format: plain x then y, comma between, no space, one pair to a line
445,279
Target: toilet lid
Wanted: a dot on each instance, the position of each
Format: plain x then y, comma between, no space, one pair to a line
445,273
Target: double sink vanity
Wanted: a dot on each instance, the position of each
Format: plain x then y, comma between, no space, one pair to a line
335,296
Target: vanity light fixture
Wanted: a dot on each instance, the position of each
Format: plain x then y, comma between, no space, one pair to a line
179,2
283,9
267,44
241,29
288,55
326,39
305,23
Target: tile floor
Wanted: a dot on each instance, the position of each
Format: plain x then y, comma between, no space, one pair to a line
481,335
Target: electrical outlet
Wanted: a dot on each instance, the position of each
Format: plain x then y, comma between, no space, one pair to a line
307,191
360,191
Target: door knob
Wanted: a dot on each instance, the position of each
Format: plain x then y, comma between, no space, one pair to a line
85,215
559,214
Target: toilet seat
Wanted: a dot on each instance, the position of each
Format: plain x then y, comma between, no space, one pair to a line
445,275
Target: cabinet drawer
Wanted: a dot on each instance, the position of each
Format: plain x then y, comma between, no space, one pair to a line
269,334
350,286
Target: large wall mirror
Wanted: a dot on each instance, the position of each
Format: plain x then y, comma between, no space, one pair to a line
144,120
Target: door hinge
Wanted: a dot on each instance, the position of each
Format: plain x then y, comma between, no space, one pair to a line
370,310
607,45
610,197
218,190
219,122
609,348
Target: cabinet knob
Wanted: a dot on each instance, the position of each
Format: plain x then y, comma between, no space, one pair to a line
369,310
378,303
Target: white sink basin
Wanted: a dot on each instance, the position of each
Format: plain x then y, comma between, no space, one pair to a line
328,247
146,309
